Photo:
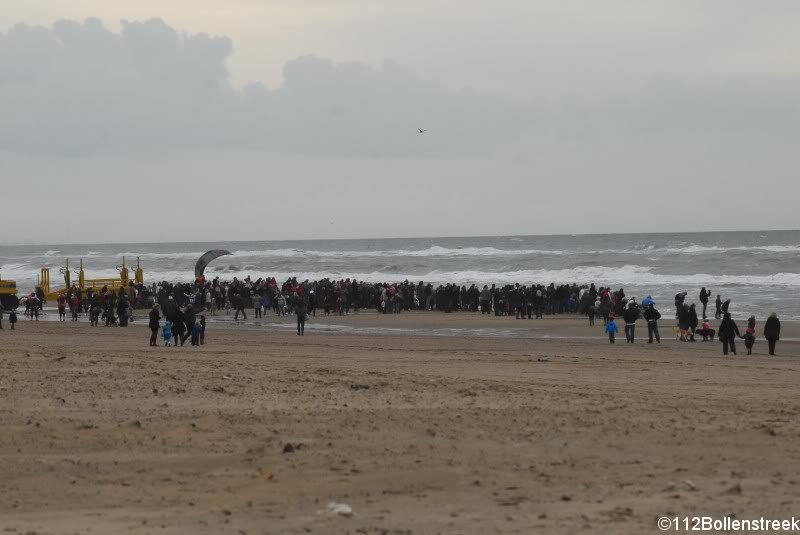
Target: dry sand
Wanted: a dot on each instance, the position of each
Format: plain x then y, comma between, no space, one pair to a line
455,434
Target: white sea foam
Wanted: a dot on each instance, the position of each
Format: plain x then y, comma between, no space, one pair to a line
632,275
437,251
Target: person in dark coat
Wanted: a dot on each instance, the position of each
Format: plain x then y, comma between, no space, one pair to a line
683,322
693,321
237,301
772,331
704,295
170,309
652,316
300,309
122,311
727,333
155,316
189,319
630,316
178,327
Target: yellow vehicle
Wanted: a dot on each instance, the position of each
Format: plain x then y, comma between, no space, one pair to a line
8,294
84,284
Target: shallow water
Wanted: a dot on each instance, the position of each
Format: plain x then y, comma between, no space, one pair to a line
759,271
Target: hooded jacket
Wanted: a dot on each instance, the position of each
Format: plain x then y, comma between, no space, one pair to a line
772,328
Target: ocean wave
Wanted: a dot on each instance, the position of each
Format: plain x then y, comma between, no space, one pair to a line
432,251
773,290
700,249
640,276
634,275
438,251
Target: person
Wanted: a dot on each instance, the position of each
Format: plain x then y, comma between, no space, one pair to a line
728,331
611,328
210,302
189,318
680,297
749,339
166,332
706,331
122,310
693,321
772,331
704,295
12,318
630,316
751,323
33,303
652,316
108,311
485,298
257,306
94,313
62,307
202,329
178,327
238,302
196,330
155,317
718,303
75,306
301,310
312,304
683,322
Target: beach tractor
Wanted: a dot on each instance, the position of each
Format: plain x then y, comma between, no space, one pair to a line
113,284
8,294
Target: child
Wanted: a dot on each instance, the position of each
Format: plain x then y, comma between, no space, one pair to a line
611,328
12,318
706,331
202,330
196,329
749,340
166,332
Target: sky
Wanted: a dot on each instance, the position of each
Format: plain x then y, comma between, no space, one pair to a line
201,120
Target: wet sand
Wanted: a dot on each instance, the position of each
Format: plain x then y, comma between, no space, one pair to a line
454,434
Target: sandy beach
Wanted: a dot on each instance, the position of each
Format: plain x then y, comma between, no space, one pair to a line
534,427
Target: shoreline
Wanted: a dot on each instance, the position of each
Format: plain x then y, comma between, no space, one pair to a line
436,323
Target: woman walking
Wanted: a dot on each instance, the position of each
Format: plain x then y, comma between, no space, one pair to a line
727,333
772,331
155,316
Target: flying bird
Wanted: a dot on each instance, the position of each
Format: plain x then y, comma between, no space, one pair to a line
421,131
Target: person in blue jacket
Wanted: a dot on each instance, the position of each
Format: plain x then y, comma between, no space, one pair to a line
611,329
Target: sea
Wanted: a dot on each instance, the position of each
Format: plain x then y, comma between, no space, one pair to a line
759,271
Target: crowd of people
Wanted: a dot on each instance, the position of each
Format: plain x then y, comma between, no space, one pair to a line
179,304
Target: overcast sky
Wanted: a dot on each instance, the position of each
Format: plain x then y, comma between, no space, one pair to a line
188,120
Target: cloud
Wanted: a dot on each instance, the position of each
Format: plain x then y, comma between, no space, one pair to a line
79,89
